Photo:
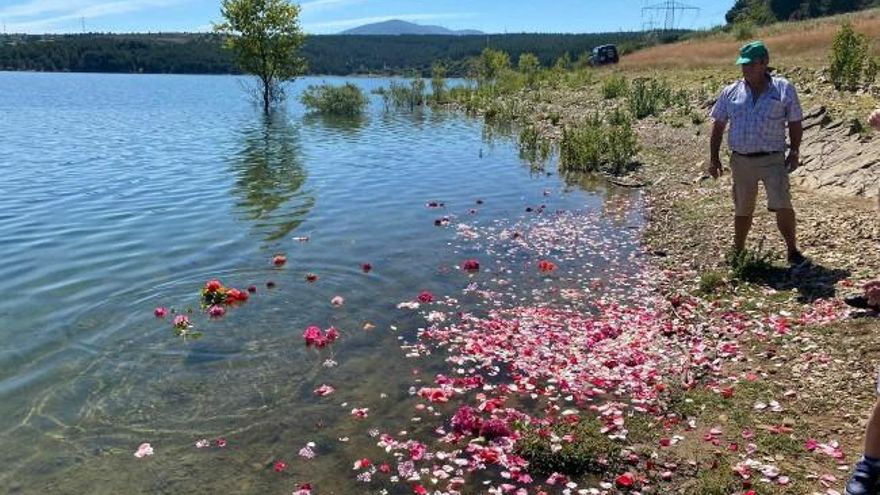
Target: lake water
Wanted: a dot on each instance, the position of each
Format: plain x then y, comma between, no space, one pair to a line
122,193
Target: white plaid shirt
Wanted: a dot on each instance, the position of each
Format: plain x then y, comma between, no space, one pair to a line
758,126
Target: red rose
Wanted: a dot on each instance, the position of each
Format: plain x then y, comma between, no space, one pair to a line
470,265
625,480
213,285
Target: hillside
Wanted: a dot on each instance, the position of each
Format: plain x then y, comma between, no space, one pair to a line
398,27
182,53
793,43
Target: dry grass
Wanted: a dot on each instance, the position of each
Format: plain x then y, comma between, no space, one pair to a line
804,42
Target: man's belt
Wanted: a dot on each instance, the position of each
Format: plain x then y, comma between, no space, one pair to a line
757,154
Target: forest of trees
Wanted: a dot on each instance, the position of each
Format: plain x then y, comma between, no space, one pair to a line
326,54
201,53
768,11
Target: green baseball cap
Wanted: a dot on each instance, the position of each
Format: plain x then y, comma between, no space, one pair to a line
751,51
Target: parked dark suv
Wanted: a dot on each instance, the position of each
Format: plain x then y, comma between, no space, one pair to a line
604,54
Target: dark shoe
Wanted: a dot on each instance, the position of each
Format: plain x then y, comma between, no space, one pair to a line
796,258
857,302
864,479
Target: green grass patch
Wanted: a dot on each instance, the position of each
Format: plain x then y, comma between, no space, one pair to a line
614,87
590,452
749,265
710,282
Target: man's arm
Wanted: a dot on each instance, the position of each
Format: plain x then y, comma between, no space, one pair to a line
718,127
795,133
874,119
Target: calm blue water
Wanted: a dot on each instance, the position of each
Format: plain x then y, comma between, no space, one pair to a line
120,193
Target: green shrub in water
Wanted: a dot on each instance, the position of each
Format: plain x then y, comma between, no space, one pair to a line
593,145
438,84
405,95
327,99
533,147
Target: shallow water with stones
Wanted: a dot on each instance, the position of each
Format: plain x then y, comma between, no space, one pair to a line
121,193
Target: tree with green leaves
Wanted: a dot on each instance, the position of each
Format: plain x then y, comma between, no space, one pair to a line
530,66
849,54
491,64
266,38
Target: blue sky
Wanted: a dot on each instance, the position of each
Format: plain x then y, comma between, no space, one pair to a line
332,16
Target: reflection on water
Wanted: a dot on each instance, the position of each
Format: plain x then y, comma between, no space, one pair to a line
337,124
270,176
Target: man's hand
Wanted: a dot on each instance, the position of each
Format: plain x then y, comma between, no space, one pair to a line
792,161
715,168
874,119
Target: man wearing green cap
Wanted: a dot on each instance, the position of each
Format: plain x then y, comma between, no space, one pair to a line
758,108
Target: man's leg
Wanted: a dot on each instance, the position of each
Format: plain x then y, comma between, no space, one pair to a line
867,470
741,226
785,220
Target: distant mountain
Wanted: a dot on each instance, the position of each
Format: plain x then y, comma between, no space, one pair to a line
396,26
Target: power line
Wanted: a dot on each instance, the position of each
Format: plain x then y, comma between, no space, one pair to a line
668,8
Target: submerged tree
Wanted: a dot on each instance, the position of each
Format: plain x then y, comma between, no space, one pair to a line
265,37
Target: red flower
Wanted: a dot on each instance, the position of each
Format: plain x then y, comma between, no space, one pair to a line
625,480
213,286
385,468
314,336
470,265
234,296
366,267
434,394
279,260
332,334
221,442
160,312
489,456
216,311
419,490
280,466
426,297
727,392
252,289
545,266
311,277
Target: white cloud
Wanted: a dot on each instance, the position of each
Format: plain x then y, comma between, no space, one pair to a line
63,11
316,5
346,23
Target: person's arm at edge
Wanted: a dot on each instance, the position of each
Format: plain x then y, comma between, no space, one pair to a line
795,133
715,168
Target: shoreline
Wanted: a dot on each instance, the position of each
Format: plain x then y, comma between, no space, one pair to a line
815,362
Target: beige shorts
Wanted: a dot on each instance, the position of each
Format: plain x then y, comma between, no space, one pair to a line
748,171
